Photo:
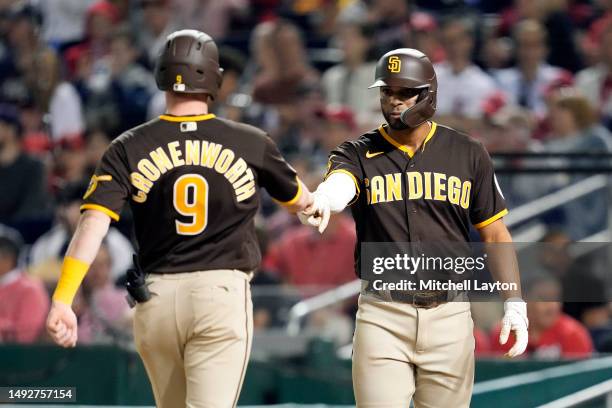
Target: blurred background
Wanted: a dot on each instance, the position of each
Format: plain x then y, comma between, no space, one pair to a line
531,79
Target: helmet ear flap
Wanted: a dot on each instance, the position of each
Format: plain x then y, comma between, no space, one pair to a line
422,94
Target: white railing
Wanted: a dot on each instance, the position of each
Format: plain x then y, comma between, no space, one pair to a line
534,377
603,389
333,296
556,199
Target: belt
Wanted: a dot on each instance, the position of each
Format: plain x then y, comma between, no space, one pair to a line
425,300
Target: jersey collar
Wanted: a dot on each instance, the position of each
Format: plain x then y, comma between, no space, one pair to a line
404,148
191,118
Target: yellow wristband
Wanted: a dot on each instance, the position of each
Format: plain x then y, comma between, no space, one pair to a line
73,272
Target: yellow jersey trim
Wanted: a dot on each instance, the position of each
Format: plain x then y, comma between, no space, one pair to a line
492,219
102,209
352,177
405,148
434,126
194,118
295,198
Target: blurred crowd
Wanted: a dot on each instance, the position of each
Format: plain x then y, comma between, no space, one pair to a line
518,75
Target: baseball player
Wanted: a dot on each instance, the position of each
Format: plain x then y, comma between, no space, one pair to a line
413,180
192,181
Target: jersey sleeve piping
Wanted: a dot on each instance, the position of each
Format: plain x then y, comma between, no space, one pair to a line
296,197
100,208
491,219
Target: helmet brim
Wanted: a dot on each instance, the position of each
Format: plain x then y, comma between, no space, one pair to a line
400,82
378,84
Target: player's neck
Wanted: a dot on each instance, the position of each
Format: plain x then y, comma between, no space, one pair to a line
185,106
411,137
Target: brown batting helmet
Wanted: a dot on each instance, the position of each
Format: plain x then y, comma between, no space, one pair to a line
409,68
189,63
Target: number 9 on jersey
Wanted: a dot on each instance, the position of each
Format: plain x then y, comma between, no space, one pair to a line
191,200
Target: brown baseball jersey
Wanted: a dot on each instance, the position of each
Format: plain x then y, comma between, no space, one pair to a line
192,183
431,195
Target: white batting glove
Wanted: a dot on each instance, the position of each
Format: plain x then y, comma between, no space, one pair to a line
515,319
316,214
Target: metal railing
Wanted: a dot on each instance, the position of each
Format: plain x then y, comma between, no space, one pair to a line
600,390
333,296
546,374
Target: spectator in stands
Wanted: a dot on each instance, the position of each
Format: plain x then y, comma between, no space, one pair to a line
285,86
69,162
462,86
63,21
505,127
583,282
24,303
47,252
24,48
596,81
554,16
22,178
552,334
425,36
602,14
574,124
347,83
596,318
55,96
284,74
104,315
391,21
87,59
119,100
526,83
212,16
574,129
158,22
35,139
329,257
340,125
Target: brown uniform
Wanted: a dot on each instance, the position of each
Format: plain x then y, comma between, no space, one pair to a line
435,194
193,185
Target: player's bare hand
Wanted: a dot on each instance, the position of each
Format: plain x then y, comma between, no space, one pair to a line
515,320
62,324
317,213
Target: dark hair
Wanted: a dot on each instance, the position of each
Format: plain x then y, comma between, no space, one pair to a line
25,11
10,248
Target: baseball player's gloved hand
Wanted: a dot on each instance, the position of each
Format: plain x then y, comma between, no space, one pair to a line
515,319
317,214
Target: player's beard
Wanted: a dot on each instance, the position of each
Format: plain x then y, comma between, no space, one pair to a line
395,124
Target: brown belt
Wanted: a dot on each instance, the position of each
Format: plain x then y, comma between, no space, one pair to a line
425,300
